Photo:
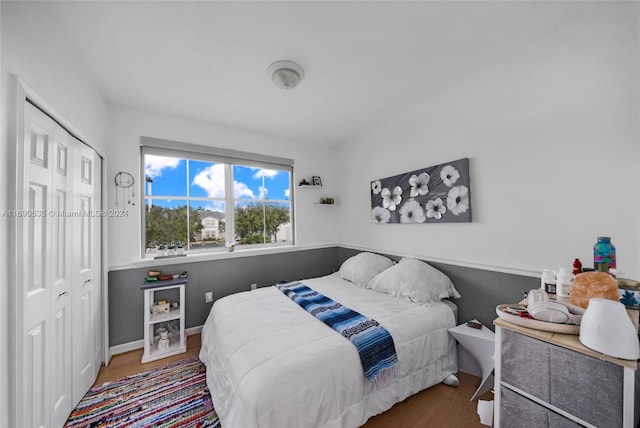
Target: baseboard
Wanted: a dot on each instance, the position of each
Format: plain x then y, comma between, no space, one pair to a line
137,344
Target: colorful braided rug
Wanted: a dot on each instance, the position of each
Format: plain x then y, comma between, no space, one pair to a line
174,395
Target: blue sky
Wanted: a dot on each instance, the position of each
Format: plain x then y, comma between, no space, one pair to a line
206,179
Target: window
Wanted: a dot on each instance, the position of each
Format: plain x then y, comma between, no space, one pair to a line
199,199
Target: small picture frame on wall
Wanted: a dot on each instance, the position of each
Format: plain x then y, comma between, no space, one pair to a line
316,181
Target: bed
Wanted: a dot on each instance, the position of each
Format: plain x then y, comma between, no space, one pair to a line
272,364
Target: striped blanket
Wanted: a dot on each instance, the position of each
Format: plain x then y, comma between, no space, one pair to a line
373,342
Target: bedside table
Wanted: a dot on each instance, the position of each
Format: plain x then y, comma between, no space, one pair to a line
480,343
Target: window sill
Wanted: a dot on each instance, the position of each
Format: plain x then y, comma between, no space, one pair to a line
202,257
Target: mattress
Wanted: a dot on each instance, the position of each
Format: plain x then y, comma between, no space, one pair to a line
271,364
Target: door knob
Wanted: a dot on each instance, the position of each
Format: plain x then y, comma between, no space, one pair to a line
64,293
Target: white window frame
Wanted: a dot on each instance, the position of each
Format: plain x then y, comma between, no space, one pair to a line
228,157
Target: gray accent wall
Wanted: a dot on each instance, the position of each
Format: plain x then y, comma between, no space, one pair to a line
481,290
222,277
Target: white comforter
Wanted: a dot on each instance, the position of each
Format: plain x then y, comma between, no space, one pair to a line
271,364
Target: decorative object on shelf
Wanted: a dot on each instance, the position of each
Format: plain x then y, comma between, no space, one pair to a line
629,291
577,266
604,254
124,181
304,182
327,201
436,194
172,249
588,285
316,180
161,307
285,74
163,342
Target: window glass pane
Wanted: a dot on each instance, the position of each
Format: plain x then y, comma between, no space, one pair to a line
165,223
258,183
279,186
206,179
165,176
262,222
211,235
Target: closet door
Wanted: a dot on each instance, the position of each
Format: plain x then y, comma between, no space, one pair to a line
61,275
35,285
57,278
86,268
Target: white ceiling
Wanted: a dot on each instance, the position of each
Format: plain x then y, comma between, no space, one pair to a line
363,61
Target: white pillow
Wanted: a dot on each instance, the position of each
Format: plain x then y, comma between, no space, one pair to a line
362,267
414,280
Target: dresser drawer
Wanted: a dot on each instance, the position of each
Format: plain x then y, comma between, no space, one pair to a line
517,411
526,364
584,386
587,387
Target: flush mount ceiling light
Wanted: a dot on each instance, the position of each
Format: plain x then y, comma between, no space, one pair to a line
285,74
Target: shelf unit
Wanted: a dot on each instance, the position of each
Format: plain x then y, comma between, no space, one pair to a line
176,345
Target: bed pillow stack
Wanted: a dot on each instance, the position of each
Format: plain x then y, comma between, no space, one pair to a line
414,280
363,267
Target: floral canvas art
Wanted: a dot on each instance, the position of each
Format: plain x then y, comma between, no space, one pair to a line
436,194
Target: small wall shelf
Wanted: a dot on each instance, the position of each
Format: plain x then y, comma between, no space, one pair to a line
309,186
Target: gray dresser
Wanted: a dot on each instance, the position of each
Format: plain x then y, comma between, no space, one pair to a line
545,379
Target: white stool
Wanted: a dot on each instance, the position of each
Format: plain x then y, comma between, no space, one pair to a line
480,343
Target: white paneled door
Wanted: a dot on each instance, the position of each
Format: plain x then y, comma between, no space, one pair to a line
58,272
36,284
86,268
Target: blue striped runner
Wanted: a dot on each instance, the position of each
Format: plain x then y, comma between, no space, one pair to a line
373,342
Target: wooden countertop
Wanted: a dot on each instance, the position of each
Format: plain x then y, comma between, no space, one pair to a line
570,341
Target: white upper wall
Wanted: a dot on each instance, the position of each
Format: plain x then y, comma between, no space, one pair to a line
36,50
314,225
552,134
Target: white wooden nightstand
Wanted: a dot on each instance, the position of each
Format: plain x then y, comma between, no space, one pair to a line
480,343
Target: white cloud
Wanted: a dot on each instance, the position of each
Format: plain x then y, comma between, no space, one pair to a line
211,179
240,189
268,173
155,164
286,193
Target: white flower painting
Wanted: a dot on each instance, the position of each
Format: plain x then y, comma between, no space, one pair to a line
436,194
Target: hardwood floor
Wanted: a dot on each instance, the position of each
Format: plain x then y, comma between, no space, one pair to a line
439,406
128,363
